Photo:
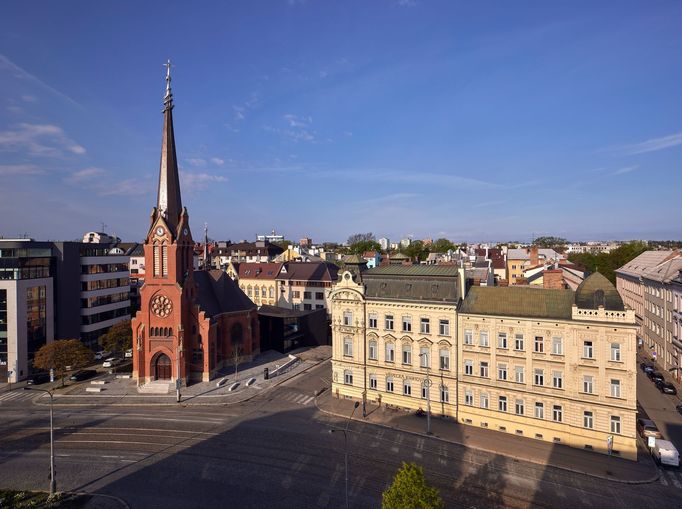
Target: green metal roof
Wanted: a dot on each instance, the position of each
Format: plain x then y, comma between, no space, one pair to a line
412,271
597,291
518,301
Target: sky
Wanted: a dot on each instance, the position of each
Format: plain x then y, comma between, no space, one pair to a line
473,121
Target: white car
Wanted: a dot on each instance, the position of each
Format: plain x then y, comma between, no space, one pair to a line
110,362
101,355
129,353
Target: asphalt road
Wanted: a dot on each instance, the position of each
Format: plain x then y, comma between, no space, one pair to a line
273,451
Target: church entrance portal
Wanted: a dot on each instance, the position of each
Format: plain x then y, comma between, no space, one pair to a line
162,367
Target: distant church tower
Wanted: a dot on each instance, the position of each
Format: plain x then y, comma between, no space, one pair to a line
185,324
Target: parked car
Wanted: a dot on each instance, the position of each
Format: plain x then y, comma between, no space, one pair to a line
84,374
656,376
38,378
646,367
666,453
666,387
647,428
110,362
103,354
129,353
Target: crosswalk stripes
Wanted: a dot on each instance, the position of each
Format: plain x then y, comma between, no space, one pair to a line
669,477
16,396
298,398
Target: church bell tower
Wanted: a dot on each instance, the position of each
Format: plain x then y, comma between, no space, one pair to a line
165,318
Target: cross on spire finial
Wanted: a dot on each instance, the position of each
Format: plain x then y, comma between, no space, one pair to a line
168,98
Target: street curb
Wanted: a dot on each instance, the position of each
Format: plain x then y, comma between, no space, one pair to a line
182,404
535,462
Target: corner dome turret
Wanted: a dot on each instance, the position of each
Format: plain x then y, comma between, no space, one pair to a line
597,291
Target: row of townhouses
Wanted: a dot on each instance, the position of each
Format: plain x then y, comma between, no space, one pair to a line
551,364
651,285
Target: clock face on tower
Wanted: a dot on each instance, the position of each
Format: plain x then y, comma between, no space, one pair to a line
184,231
159,230
161,306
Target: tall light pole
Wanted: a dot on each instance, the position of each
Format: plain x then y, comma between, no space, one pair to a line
427,385
345,443
53,481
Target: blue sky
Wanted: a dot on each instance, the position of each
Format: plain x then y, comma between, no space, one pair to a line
468,120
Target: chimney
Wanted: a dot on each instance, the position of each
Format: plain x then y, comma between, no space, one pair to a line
534,255
553,279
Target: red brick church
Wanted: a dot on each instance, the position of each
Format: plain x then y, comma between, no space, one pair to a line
191,322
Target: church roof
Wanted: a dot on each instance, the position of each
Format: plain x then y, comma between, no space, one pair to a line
217,293
597,291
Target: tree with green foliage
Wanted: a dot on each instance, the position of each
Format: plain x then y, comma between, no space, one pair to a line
556,243
284,244
362,246
416,251
118,338
608,263
411,491
62,354
442,246
360,237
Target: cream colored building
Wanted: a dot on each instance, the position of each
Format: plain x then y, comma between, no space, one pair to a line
553,365
393,328
548,364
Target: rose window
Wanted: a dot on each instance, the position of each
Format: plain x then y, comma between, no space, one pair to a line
161,306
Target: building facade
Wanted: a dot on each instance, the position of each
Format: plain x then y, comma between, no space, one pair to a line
393,336
191,322
646,285
553,365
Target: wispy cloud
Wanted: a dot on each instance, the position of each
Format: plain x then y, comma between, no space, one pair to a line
626,169
127,187
491,203
39,140
652,145
85,175
196,161
240,111
217,161
388,199
298,128
199,181
406,3
20,169
10,67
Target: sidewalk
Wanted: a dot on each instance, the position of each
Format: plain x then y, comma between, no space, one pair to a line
526,449
122,391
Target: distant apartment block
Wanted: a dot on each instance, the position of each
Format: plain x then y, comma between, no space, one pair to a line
385,244
271,237
57,290
261,251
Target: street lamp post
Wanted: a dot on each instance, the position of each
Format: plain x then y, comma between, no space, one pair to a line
427,384
345,443
53,481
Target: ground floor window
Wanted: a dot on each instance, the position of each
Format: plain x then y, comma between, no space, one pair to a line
372,381
348,377
444,394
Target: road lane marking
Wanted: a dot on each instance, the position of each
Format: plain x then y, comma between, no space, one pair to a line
395,449
420,444
417,455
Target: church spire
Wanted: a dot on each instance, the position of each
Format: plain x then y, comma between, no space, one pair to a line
169,202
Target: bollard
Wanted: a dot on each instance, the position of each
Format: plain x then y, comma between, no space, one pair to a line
266,373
